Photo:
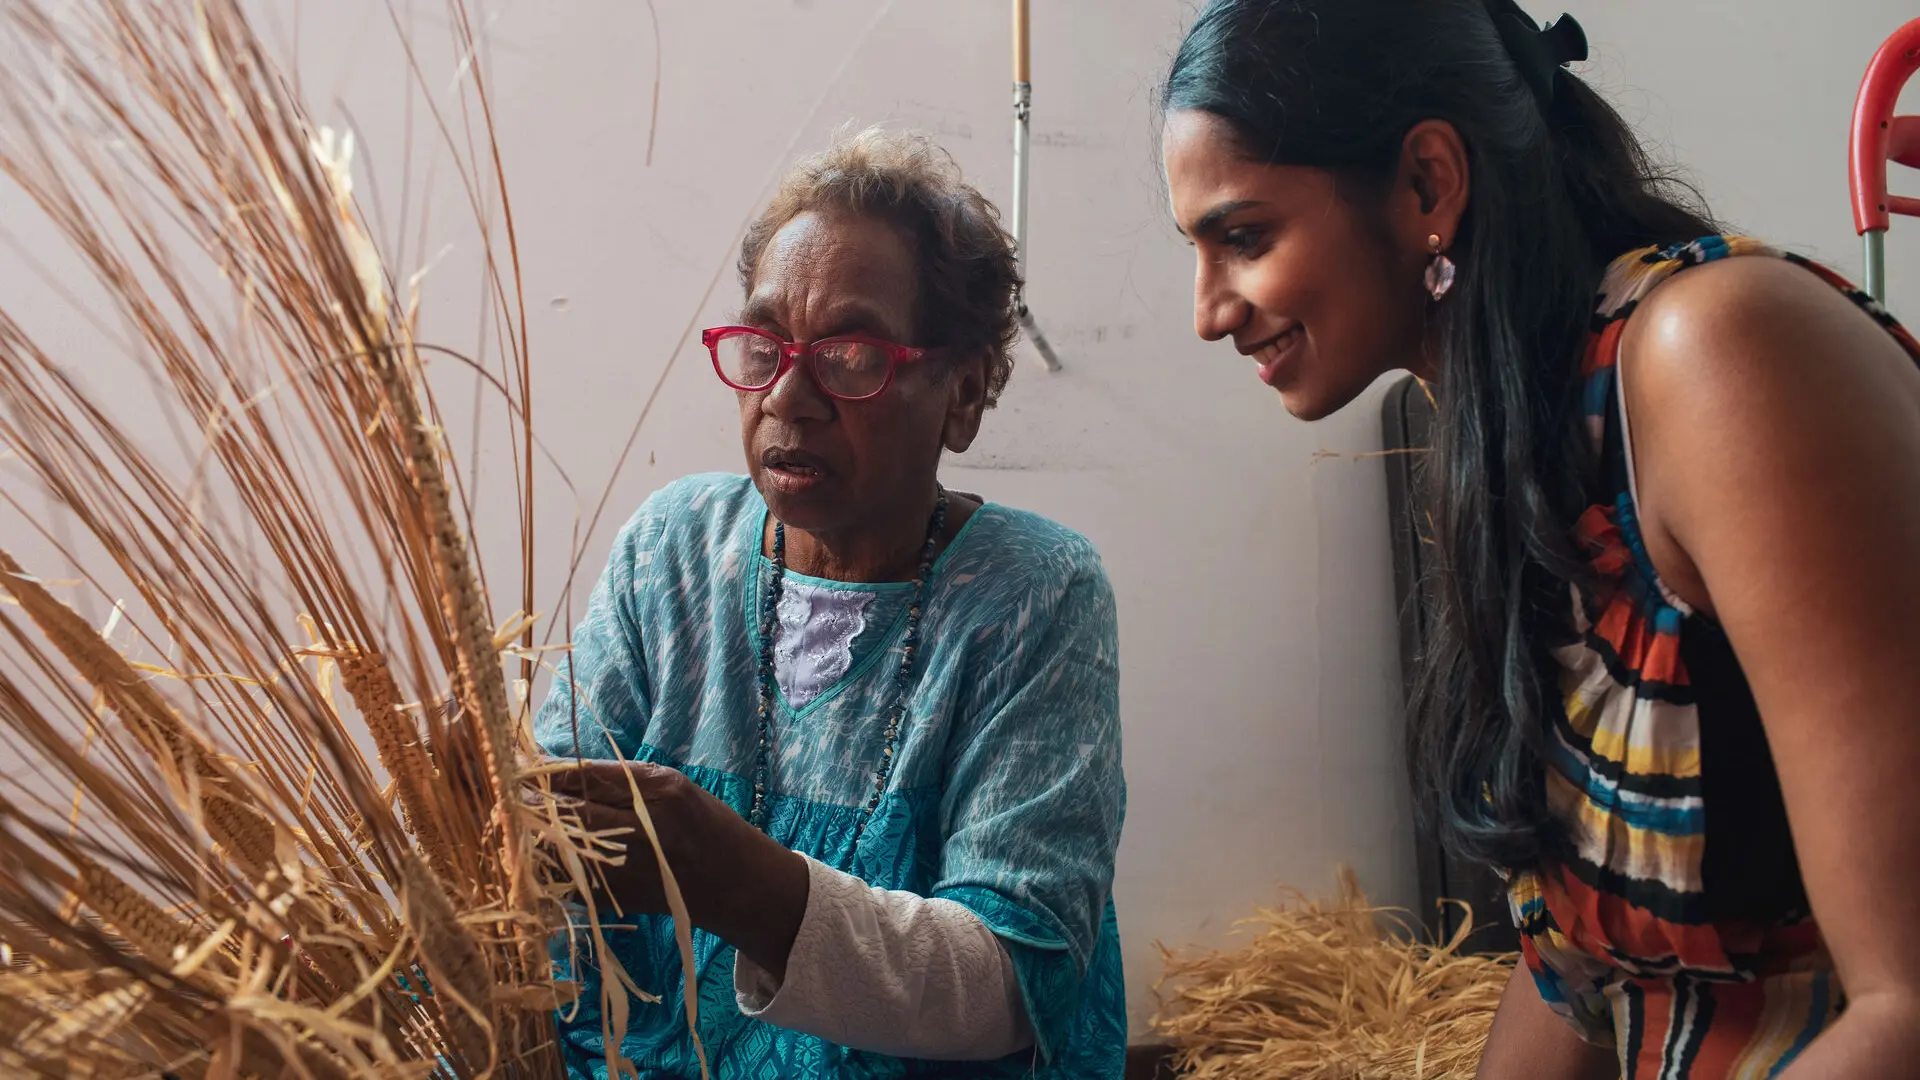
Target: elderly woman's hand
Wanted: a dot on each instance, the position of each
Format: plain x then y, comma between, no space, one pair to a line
737,883
693,826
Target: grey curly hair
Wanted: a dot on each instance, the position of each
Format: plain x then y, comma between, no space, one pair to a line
969,276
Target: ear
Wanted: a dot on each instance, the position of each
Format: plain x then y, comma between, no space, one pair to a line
1431,188
966,402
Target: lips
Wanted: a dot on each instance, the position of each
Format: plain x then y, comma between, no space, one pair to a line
1273,354
793,470
792,460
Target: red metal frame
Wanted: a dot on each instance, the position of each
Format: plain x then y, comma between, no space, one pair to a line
1879,136
792,352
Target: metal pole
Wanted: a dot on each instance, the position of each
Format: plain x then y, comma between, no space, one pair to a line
1022,112
1876,244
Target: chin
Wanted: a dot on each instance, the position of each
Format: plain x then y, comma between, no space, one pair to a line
806,511
1308,407
1312,403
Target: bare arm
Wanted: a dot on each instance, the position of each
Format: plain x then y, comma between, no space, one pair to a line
1777,432
1531,1042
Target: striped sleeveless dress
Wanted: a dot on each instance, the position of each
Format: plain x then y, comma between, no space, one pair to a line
1674,927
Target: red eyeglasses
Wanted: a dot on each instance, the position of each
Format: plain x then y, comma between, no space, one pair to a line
850,367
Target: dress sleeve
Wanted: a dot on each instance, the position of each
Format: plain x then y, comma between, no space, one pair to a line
600,686
1035,797
892,973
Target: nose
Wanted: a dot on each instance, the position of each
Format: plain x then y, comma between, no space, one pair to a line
797,396
1217,309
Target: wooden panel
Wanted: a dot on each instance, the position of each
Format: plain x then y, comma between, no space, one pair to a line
1150,1063
1407,422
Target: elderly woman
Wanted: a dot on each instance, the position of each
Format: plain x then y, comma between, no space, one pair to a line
875,722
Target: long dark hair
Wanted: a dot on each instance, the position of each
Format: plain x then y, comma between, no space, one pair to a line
1560,186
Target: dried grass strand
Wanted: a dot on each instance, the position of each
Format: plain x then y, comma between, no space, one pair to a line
1337,990
402,752
320,934
244,832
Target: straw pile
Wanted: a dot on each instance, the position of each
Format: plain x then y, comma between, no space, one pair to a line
1331,991
206,874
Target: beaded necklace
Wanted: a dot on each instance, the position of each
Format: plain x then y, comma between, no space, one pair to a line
769,632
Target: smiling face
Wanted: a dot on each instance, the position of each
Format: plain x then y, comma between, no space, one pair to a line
1299,277
837,468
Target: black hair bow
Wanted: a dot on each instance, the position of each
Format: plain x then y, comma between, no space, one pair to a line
1538,53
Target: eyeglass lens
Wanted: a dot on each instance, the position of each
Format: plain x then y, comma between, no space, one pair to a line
844,368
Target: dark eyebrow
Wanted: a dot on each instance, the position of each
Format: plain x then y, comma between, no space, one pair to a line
1209,222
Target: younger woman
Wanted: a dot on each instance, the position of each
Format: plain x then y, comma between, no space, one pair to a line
1676,501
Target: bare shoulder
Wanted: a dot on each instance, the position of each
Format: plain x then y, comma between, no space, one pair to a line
1746,325
1757,390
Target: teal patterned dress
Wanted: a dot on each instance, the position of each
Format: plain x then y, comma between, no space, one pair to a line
1006,795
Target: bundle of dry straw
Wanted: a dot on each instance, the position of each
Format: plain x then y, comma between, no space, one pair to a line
206,874
1331,991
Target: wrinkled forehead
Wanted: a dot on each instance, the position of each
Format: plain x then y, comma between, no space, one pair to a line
835,273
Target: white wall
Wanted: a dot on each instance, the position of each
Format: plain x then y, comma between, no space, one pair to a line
1260,672
1754,101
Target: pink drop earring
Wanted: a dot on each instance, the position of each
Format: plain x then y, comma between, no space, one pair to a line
1440,271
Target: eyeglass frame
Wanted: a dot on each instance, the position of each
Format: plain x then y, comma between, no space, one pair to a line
792,352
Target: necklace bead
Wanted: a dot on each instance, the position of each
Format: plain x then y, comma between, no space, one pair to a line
903,676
